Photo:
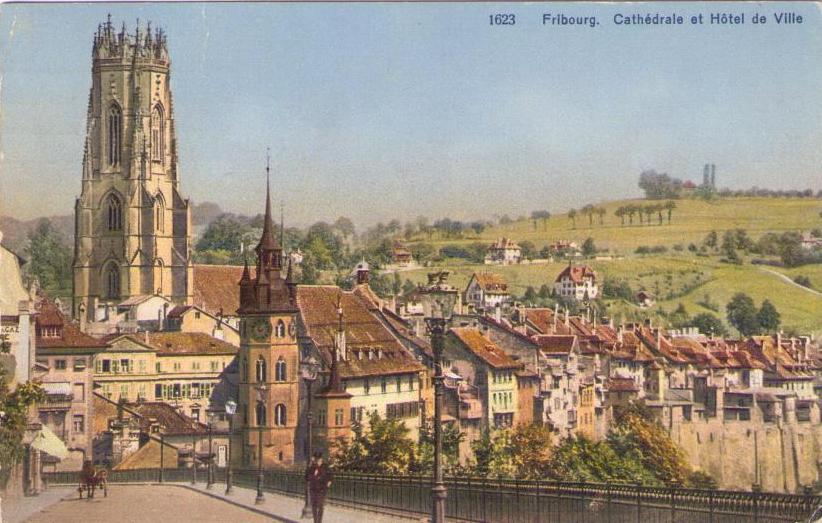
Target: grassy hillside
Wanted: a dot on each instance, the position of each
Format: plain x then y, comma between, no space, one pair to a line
691,221
674,279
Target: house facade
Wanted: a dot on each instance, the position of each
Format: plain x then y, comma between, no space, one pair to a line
577,282
504,251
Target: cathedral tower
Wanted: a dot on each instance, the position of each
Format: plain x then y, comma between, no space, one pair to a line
132,225
269,386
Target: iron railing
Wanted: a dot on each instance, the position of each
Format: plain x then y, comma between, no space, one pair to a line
512,500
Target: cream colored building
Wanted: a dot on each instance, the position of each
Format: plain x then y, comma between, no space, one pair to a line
183,369
132,223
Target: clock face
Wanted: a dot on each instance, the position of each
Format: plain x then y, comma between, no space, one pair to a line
259,329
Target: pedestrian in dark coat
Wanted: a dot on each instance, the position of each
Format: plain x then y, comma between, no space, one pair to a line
318,475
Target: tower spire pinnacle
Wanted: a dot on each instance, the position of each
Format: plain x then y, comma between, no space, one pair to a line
267,241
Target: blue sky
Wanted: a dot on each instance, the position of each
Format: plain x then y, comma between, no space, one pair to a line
377,111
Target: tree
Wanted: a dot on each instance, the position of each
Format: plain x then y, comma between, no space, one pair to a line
530,295
15,405
49,259
659,186
768,317
541,215
528,249
707,323
589,211
451,439
572,215
588,247
384,449
223,234
631,210
601,213
742,314
345,227
620,213
670,205
711,240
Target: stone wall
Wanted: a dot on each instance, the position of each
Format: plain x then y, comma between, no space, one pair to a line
787,455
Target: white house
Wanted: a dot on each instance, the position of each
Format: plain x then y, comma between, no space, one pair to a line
504,251
578,282
486,290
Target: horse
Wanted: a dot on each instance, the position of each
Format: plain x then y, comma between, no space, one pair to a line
92,478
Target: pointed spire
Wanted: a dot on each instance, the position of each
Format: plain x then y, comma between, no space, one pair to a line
267,241
246,273
282,226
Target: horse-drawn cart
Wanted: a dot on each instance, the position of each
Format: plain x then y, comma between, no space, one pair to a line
92,478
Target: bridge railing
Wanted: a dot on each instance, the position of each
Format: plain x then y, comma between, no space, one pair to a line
512,500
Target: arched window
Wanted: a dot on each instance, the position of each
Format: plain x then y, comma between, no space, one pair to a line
260,414
157,134
279,370
159,213
279,415
280,331
114,133
261,370
114,213
112,275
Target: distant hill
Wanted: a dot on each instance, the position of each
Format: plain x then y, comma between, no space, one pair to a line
204,213
691,221
15,232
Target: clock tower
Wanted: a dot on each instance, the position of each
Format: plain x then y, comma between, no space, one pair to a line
269,386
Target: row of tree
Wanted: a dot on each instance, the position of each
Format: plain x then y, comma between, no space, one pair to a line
645,213
636,450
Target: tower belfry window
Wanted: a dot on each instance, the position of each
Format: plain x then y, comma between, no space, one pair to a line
159,213
114,210
280,370
114,134
157,127
112,281
261,370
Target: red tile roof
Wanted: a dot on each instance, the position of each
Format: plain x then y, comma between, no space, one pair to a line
491,282
616,384
216,288
60,333
372,350
486,350
556,344
577,273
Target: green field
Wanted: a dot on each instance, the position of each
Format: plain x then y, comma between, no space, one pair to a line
673,279
691,221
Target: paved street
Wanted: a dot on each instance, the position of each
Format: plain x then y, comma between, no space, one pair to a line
151,503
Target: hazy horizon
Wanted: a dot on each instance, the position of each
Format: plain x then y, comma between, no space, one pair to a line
382,111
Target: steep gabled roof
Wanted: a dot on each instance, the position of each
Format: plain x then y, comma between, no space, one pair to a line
483,348
216,288
490,282
577,273
371,349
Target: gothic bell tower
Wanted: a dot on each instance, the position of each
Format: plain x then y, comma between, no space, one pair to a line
132,224
269,386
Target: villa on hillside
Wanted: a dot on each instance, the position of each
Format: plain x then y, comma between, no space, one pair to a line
504,251
578,282
486,290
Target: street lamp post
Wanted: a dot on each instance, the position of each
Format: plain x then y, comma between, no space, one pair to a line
230,409
210,481
194,459
261,388
436,327
308,370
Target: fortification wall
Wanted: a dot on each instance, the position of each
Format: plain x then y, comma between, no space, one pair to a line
786,456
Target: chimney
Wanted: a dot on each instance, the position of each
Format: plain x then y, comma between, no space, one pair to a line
779,339
658,339
341,333
567,317
498,313
165,315
145,336
619,333
556,313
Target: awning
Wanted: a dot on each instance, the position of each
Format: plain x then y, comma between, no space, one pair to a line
60,388
47,441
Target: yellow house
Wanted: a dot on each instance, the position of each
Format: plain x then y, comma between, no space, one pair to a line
180,368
